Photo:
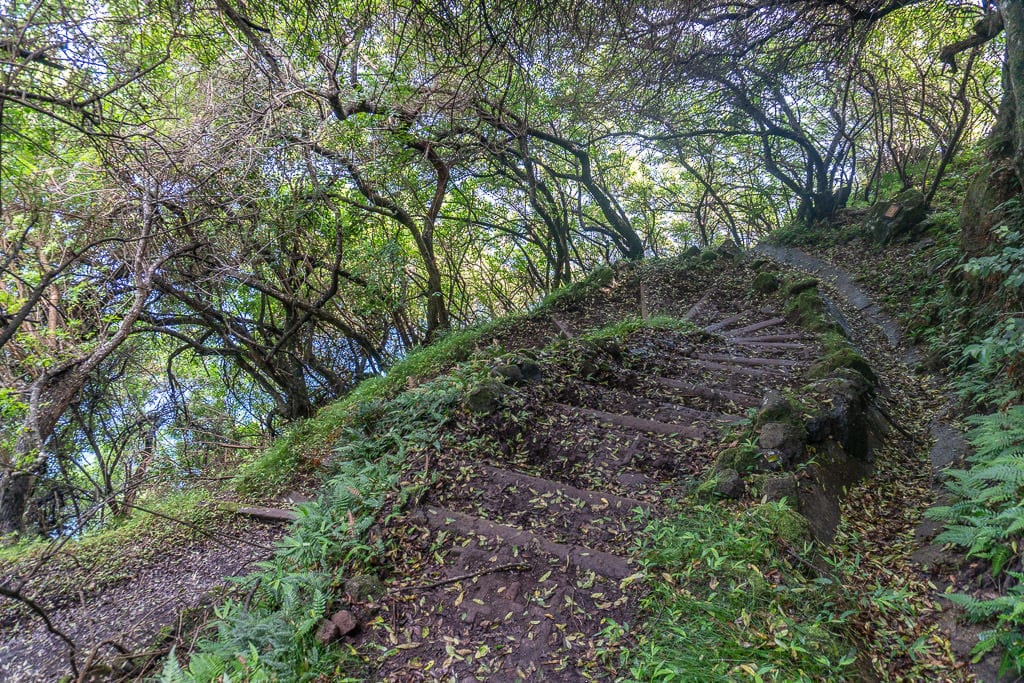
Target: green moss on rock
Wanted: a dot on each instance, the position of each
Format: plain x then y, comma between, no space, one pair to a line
765,283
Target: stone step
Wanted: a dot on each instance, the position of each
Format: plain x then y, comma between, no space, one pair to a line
587,559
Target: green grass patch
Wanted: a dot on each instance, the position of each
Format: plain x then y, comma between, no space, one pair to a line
624,328
576,292
308,442
727,602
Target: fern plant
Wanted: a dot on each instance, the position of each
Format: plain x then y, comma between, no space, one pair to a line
986,517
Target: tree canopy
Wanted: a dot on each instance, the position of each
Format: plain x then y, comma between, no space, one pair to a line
248,207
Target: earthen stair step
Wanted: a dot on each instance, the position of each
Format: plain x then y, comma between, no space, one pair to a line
772,322
745,360
638,423
704,391
587,559
595,499
735,369
725,322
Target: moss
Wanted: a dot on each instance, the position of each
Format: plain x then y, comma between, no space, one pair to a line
799,286
807,308
785,522
739,458
844,359
765,283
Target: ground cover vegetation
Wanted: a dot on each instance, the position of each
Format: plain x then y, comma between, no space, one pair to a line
257,247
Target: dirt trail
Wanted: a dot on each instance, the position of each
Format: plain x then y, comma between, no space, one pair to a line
522,558
115,620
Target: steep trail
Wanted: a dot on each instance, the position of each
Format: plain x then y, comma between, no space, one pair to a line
523,557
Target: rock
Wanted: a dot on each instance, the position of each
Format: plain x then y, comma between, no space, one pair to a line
485,398
739,458
765,283
692,252
509,373
774,408
729,484
844,358
760,263
728,249
782,443
803,285
896,218
779,487
530,370
328,632
345,622
363,587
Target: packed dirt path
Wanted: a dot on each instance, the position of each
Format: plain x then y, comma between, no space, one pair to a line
114,606
522,558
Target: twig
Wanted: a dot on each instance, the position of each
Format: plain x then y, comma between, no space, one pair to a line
34,606
900,428
513,567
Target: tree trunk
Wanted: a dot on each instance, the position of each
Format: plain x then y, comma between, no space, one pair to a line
1003,176
15,489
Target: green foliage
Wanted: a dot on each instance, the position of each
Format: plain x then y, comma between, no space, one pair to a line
726,603
275,466
572,294
273,638
986,518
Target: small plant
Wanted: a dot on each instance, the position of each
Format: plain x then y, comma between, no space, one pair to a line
726,603
987,519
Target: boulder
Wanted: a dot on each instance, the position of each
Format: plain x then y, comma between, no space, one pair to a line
328,632
729,249
485,398
508,373
530,370
774,408
782,443
780,487
897,218
729,484
345,622
765,283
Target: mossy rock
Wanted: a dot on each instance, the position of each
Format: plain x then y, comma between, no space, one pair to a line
844,359
765,283
729,484
364,587
692,252
803,285
775,408
708,256
787,524
760,263
485,398
806,308
739,458
508,373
